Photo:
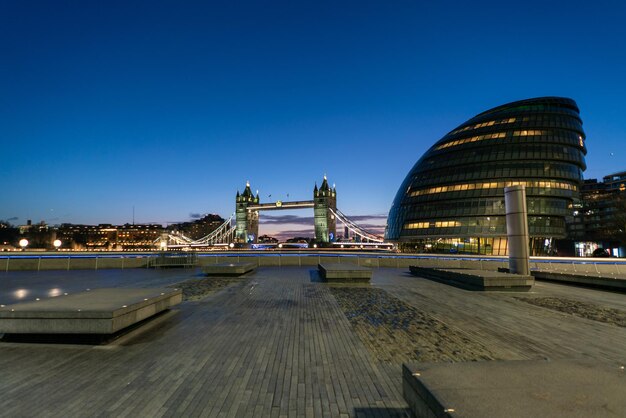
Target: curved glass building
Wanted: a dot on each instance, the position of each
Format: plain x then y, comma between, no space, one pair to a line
453,197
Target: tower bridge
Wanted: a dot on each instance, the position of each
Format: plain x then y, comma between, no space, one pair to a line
324,204
244,229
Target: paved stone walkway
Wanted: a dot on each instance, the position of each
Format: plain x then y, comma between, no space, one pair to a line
278,344
514,329
275,345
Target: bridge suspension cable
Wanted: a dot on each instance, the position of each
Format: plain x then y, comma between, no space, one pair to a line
355,228
178,238
223,234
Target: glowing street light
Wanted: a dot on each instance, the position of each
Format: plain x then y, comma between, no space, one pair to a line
23,243
57,244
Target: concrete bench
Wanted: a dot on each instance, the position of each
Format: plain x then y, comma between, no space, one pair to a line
436,263
99,311
228,269
476,279
493,265
606,281
515,389
344,273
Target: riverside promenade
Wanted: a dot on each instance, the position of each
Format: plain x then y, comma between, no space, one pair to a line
280,342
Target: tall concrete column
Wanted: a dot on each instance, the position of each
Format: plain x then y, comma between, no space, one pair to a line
517,229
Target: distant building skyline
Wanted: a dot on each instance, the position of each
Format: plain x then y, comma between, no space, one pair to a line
272,225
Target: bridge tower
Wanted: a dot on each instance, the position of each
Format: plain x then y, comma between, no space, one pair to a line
247,220
324,199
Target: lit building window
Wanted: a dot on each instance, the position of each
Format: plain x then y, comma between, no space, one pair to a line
447,224
490,136
472,139
494,185
417,225
482,125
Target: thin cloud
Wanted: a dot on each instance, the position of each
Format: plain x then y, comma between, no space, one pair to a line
373,229
365,217
370,226
195,215
283,235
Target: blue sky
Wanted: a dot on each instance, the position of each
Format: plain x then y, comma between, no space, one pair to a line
170,107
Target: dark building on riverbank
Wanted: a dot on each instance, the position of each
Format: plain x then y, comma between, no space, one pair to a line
107,237
198,228
599,221
452,200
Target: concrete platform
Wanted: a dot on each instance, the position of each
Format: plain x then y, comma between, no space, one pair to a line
228,269
332,272
530,388
99,311
476,279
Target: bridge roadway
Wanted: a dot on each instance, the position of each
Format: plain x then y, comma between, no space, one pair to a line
297,204
279,343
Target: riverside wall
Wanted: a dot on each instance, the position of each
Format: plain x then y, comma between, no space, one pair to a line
40,261
89,261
